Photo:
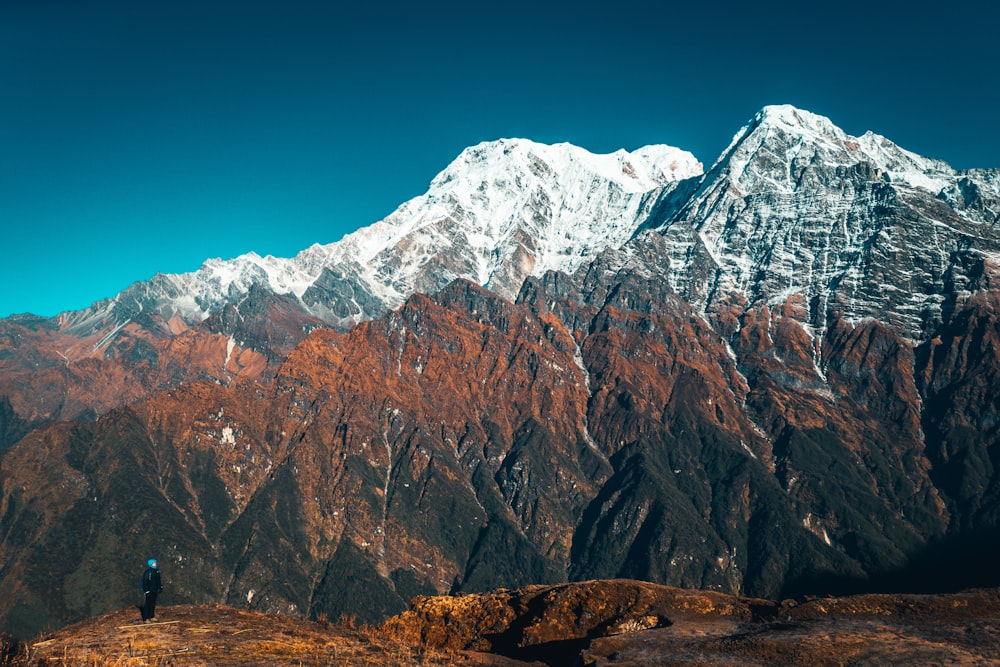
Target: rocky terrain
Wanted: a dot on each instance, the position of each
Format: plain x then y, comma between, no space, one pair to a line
466,443
772,379
591,623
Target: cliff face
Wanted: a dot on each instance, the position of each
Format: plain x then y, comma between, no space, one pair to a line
855,225
958,375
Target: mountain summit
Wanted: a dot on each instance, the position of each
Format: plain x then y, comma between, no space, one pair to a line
508,209
853,224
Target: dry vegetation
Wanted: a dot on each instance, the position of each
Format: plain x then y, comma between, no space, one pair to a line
216,635
595,624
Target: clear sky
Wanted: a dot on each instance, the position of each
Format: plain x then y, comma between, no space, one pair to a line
142,136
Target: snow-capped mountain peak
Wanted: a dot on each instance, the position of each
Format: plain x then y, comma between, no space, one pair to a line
856,225
797,120
506,209
903,166
821,139
638,171
501,211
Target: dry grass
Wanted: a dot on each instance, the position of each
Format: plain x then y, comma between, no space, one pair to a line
216,635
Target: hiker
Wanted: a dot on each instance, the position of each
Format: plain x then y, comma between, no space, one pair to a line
150,589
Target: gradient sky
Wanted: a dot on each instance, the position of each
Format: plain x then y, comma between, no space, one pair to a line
139,137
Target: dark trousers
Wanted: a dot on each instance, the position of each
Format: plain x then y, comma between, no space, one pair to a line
148,605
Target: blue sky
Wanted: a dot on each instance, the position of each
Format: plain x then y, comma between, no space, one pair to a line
139,137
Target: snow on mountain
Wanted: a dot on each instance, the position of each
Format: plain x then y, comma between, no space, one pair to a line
856,225
794,206
507,209
501,211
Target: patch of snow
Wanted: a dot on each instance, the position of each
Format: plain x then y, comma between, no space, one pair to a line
107,338
230,345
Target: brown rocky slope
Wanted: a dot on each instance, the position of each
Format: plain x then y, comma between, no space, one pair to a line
598,428
81,365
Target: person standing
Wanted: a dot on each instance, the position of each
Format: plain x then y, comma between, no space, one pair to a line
150,589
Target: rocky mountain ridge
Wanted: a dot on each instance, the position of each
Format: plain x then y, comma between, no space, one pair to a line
855,225
501,211
794,204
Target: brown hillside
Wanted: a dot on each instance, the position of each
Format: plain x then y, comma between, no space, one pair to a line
225,637
629,623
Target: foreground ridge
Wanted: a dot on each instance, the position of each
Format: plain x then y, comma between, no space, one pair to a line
612,622
216,635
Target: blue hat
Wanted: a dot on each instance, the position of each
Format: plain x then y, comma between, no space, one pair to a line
151,562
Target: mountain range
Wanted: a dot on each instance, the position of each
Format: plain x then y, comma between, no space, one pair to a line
772,377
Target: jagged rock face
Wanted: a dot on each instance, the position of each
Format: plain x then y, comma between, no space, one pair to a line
856,225
844,441
334,476
76,367
441,446
959,373
464,443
